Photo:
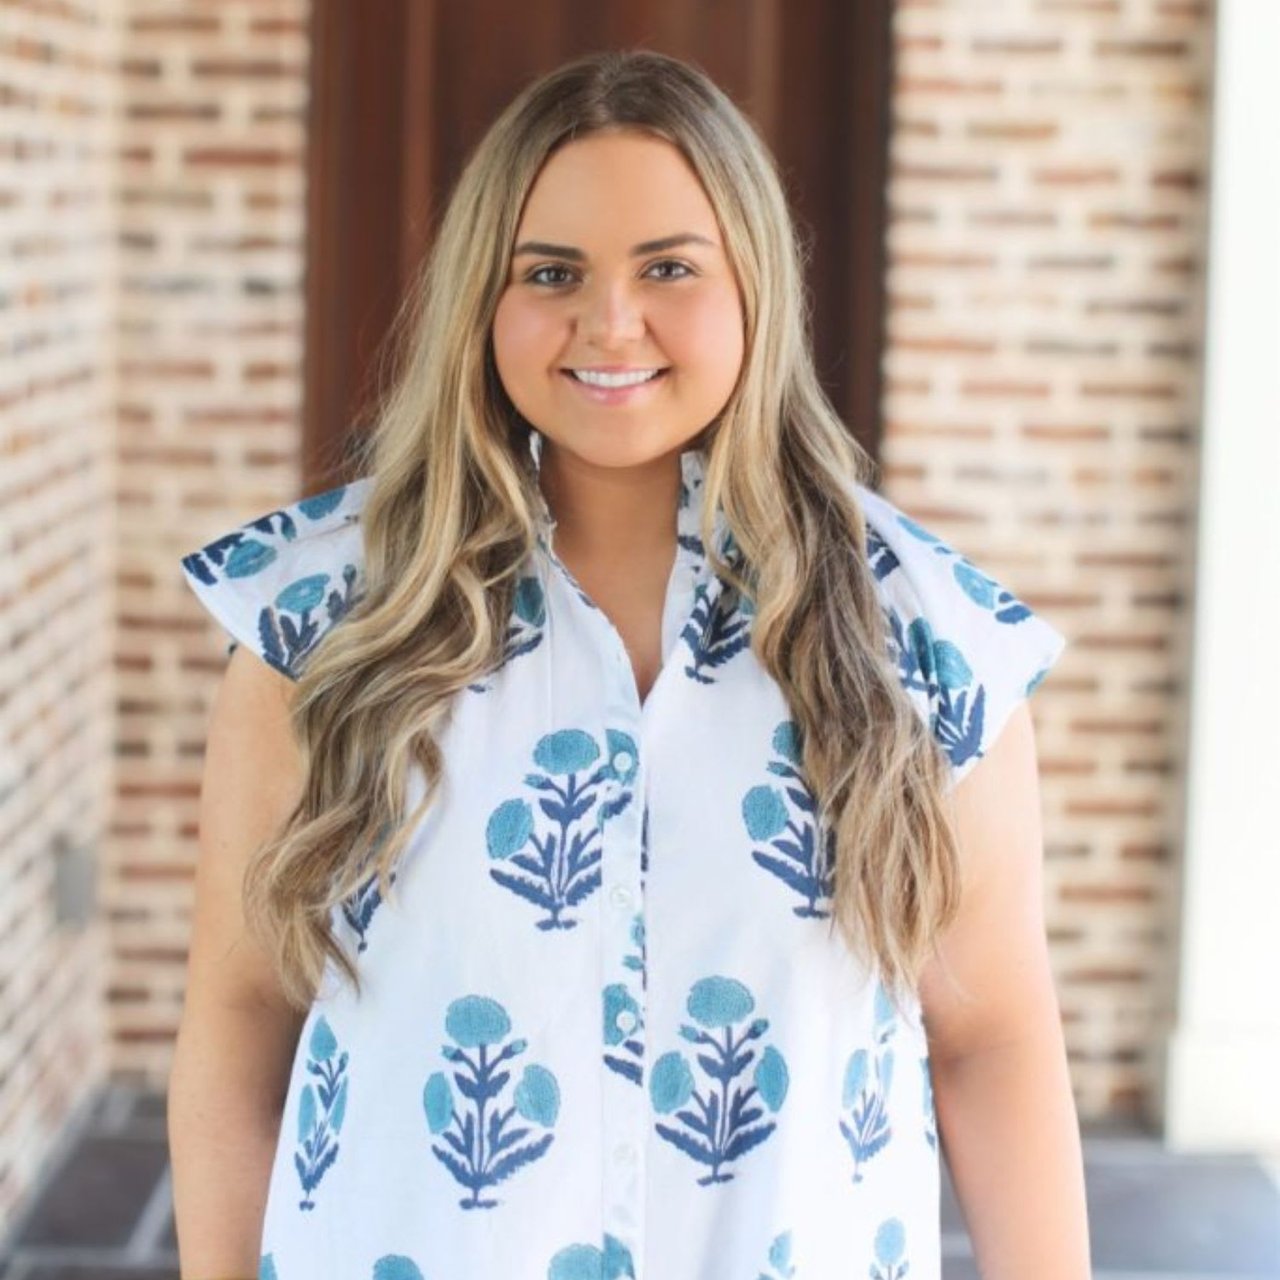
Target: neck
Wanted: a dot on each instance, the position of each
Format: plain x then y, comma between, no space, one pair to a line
608,514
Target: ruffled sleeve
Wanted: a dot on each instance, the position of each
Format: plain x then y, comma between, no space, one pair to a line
966,648
279,582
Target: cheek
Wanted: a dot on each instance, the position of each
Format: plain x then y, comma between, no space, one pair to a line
522,335
710,333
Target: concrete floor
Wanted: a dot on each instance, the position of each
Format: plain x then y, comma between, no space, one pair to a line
106,1211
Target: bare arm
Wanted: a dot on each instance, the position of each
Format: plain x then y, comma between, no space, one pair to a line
1002,1091
237,1035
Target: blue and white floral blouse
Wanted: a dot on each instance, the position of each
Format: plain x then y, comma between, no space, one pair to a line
607,1030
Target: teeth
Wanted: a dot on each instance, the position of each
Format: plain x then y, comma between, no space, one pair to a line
613,379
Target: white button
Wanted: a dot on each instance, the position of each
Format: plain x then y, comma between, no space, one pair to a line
620,896
622,761
626,1021
624,1153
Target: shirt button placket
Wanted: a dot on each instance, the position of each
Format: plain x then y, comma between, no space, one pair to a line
624,1112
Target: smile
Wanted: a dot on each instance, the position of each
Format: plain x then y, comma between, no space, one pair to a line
615,395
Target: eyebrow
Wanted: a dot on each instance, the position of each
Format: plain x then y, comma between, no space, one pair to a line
540,247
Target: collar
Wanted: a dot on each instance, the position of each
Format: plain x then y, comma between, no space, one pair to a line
688,513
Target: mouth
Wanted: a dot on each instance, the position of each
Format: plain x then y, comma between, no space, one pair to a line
615,395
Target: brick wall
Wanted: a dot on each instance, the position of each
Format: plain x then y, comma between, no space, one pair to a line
57,440
1043,363
211,186
1046,259
151,198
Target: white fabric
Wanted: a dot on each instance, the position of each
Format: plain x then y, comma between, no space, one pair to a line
618,917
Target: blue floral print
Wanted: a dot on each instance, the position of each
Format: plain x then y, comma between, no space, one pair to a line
654,1064
321,1109
793,856
865,1112
481,1156
561,868
723,1128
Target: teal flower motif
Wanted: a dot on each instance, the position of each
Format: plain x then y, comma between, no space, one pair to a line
304,594
890,1245
525,627
719,1002
980,588
721,1126
321,504
323,1044
508,829
586,1262
621,1013
566,751
865,1095
940,671
396,1267
952,669
884,1011
786,741
267,1268
537,1096
771,1078
621,747
559,868
624,1047
765,812
322,1107
780,1262
670,1082
618,1264
530,604
437,1102
920,638
794,858
855,1077
577,1262
478,1148
472,1021
248,557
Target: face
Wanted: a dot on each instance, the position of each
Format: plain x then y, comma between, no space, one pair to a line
592,294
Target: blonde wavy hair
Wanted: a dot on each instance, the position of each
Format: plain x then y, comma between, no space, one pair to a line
451,515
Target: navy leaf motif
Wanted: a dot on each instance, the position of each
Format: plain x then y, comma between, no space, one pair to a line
321,1110
868,1075
792,856
718,629
581,792
726,1129
481,1155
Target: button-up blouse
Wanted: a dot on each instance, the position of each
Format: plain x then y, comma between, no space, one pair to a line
606,1027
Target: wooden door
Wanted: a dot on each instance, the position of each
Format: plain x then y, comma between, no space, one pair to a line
401,89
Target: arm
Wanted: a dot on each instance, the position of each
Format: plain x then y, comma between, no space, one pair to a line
1002,1091
237,1035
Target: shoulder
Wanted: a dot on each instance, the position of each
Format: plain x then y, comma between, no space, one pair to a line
965,646
279,581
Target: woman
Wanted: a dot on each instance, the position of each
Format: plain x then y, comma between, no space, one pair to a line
675,706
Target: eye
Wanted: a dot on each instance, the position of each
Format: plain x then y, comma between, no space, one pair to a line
531,278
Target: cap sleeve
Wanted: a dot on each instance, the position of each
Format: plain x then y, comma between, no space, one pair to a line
279,582
966,648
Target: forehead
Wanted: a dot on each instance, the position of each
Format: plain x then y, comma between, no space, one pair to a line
616,187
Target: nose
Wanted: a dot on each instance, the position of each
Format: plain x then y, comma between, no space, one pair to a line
611,313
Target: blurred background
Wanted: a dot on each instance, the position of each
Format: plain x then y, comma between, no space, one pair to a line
1046,296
